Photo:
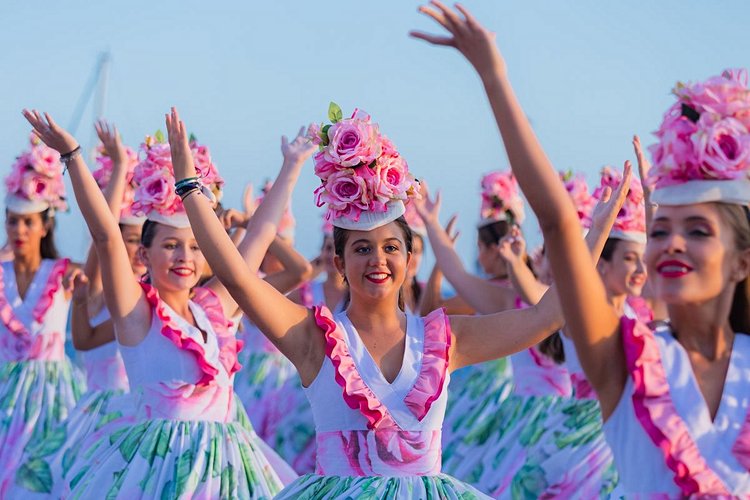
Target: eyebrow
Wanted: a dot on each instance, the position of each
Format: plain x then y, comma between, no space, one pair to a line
364,240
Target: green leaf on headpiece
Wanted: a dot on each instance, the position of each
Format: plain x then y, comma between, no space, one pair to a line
324,135
159,137
568,175
192,138
334,113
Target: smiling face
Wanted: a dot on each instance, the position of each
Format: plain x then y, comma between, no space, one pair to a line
692,254
624,273
25,232
131,235
374,262
173,258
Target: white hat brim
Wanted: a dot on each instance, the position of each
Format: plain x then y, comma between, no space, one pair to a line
24,206
369,220
179,220
735,191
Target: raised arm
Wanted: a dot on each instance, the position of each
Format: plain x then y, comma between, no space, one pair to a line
258,236
113,193
122,293
482,295
296,271
592,323
289,326
513,249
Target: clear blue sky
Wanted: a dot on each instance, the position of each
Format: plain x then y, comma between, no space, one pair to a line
589,74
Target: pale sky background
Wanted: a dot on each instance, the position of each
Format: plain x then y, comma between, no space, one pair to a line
589,74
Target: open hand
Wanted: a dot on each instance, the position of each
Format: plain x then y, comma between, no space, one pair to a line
512,246
472,39
299,150
179,146
610,203
50,132
110,138
428,208
77,282
248,200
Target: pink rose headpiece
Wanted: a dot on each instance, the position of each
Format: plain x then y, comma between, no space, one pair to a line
364,180
415,221
703,153
103,174
630,223
578,190
287,222
501,199
35,181
154,180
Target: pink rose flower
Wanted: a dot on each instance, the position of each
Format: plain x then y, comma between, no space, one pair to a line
500,194
344,188
323,167
723,148
313,133
352,142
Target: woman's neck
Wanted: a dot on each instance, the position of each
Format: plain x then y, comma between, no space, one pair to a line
178,301
27,263
704,328
618,303
369,314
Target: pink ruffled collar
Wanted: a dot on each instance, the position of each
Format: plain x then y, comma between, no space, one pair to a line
228,345
658,416
358,396
47,297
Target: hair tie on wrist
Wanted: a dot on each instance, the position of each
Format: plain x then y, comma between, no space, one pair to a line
68,157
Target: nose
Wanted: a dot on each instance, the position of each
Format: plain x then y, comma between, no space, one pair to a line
377,256
675,243
640,266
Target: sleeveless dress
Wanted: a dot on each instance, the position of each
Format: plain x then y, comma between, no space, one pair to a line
38,385
184,439
377,439
47,461
664,442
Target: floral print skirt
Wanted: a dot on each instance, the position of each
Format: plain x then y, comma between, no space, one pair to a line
35,397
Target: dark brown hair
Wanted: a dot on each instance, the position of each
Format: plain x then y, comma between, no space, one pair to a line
47,246
492,233
341,236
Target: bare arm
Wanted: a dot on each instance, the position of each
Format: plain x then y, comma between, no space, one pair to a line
482,338
122,293
482,295
113,193
513,250
258,236
296,271
591,321
290,327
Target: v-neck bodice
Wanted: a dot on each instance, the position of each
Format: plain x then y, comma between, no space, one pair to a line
665,401
33,327
176,373
358,414
367,365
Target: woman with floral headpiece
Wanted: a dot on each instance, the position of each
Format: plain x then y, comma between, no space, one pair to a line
45,462
375,375
181,437
38,385
486,420
674,400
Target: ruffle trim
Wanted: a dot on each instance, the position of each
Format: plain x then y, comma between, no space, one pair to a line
431,378
229,345
179,338
47,297
357,394
658,416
